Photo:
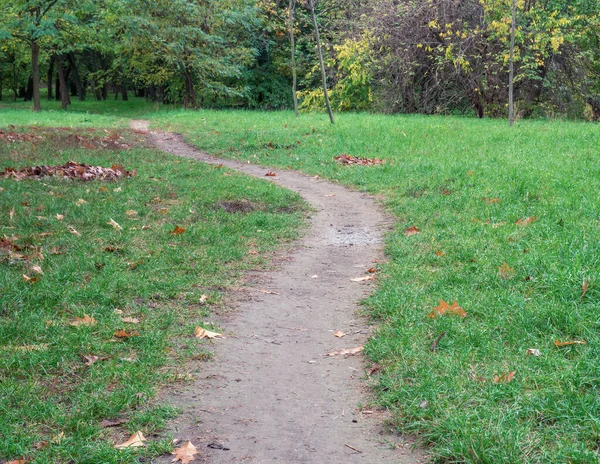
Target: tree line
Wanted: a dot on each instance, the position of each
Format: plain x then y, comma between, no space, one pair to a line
393,56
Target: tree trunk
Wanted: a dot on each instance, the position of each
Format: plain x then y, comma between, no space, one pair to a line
50,77
64,92
293,47
35,67
124,92
511,72
76,77
189,98
321,62
29,90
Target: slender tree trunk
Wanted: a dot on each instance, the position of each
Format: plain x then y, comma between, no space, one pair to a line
35,67
76,77
293,47
50,77
189,98
511,72
321,62
64,92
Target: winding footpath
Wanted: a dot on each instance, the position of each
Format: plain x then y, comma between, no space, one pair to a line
270,395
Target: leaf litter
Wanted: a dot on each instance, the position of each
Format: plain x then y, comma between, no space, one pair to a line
70,170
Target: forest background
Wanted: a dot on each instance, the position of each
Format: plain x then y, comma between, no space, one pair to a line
391,56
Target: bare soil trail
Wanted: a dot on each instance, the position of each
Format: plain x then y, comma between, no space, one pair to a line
271,395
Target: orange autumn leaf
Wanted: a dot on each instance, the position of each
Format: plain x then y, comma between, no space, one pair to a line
85,320
506,271
185,453
17,461
177,230
270,174
504,378
573,342
526,221
445,308
135,440
411,231
440,253
126,334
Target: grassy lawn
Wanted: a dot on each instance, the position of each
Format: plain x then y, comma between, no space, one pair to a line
60,260
468,186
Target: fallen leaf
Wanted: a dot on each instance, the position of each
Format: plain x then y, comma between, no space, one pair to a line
346,352
31,280
526,221
445,308
362,279
505,271
252,252
177,231
339,334
130,320
374,369
262,290
315,276
136,440
203,298
411,231
41,445
270,174
57,438
11,214
17,461
349,159
163,211
131,213
91,359
203,333
584,288
504,378
118,311
60,217
37,269
440,253
372,270
491,201
126,334
330,195
73,231
185,453
114,224
533,352
118,189
471,173
85,320
80,202
574,342
112,423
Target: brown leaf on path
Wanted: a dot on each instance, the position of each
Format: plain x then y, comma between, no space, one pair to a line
126,334
136,440
584,288
362,279
130,320
505,271
573,342
339,334
504,378
445,308
270,174
411,231
346,352
374,369
201,332
177,231
185,453
526,221
114,224
262,290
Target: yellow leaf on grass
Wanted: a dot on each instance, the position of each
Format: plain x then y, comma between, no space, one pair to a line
445,308
130,320
573,342
203,333
136,440
85,320
185,453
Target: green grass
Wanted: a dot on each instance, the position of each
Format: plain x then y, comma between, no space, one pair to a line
438,174
50,398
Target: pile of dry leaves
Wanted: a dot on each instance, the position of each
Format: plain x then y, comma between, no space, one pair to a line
349,159
69,170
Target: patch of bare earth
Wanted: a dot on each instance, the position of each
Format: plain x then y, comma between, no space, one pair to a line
273,394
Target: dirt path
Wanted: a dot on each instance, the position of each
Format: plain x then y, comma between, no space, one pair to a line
270,395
